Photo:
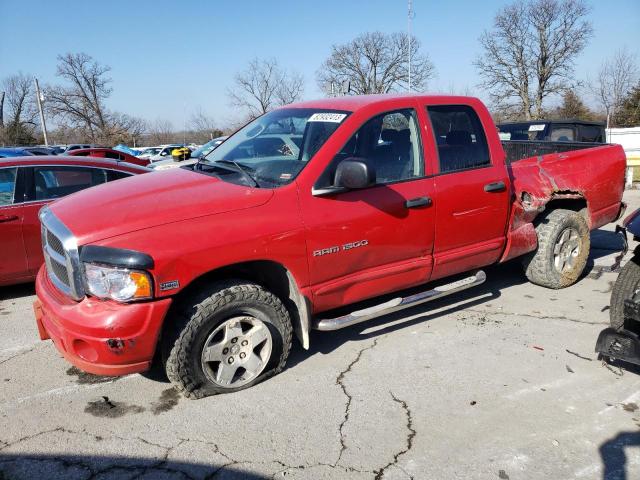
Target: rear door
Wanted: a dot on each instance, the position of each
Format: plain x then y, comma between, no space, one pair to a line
471,190
13,260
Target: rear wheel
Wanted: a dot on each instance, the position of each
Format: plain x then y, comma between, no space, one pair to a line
227,339
563,250
627,286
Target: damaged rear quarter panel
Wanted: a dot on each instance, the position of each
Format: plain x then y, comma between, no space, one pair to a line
594,174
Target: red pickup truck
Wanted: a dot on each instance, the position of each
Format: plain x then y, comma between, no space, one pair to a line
310,210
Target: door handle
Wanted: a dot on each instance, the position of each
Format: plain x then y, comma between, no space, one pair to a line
418,202
8,218
495,187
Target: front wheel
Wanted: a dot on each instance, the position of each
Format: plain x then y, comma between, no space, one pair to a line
226,339
563,250
627,286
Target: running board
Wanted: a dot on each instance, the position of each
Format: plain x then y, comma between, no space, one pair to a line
399,303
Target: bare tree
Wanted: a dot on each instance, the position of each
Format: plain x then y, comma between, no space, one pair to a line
263,86
21,114
161,132
615,80
375,62
202,127
529,54
80,105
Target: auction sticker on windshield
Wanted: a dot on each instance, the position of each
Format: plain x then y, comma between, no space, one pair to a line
327,117
536,128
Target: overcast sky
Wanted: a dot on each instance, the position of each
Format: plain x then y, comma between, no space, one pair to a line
169,58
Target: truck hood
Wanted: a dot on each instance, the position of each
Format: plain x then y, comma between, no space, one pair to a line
149,200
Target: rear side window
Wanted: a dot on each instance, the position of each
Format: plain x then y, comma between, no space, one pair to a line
562,133
7,185
459,137
591,133
56,182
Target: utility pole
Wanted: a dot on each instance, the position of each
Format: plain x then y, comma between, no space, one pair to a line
42,122
409,18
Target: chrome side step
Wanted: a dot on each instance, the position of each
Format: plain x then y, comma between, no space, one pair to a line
399,303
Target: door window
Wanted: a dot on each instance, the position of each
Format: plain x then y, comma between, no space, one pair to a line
389,143
7,185
591,133
56,182
115,175
459,136
562,133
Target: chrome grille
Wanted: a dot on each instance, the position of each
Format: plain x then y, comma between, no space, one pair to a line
61,255
60,271
55,243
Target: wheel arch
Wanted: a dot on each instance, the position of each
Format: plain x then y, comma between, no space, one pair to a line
566,200
269,274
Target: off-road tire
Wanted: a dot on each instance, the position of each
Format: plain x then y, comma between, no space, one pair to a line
539,265
197,316
625,287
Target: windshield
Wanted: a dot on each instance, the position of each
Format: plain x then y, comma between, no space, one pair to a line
274,148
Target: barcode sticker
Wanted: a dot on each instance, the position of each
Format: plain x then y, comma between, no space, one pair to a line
327,117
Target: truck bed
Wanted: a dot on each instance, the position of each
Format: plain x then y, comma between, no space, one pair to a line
520,149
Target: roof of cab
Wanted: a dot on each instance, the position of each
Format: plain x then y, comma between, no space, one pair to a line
352,103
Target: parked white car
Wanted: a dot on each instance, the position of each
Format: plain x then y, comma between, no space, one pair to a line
164,153
195,156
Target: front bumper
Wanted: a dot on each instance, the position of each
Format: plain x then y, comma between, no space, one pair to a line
99,337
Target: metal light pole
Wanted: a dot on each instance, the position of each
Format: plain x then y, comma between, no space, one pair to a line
409,18
42,122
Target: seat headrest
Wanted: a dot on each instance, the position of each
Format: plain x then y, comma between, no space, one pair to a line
458,137
404,136
389,135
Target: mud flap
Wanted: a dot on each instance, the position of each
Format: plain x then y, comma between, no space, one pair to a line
619,345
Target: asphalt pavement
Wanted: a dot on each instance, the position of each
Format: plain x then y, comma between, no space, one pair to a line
497,382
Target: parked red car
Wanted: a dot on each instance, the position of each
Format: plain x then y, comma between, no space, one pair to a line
100,152
28,183
304,211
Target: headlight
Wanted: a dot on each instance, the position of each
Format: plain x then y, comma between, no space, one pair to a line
118,284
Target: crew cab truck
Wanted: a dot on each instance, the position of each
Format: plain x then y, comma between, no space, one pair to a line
305,211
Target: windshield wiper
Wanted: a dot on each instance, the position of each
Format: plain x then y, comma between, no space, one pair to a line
243,170
238,168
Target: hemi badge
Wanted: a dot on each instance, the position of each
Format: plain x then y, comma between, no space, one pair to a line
169,285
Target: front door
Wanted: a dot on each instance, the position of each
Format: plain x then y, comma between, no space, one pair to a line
363,243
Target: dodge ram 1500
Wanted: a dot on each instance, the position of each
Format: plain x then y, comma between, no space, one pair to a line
300,221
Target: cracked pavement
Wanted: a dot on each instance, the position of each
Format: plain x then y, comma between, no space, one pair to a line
497,382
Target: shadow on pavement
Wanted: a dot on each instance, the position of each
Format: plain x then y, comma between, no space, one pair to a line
16,291
498,278
614,457
27,467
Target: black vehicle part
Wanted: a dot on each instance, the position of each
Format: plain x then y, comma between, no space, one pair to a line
519,149
619,345
117,257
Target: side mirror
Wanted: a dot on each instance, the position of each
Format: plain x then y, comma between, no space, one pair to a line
354,173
